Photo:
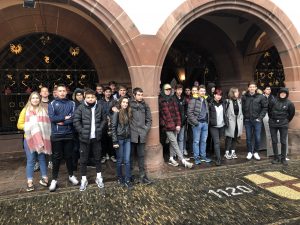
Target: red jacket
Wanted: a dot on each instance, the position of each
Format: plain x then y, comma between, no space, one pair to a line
169,116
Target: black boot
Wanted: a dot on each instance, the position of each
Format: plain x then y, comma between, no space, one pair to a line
218,162
283,161
276,160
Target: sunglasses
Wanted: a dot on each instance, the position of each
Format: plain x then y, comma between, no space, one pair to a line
168,89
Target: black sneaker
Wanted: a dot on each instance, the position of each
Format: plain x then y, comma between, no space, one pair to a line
129,185
145,180
284,162
218,162
275,161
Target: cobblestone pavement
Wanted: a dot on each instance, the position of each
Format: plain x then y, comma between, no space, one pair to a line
249,193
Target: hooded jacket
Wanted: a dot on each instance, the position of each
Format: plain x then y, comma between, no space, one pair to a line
281,110
83,119
77,90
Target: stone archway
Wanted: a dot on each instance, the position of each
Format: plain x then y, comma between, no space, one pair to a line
103,30
267,16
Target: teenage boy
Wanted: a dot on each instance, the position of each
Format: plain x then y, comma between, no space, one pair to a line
107,145
140,125
170,122
281,112
198,118
255,107
182,106
60,113
89,121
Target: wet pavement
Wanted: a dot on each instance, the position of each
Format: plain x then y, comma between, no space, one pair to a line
239,192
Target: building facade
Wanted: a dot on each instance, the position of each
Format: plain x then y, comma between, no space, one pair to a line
146,43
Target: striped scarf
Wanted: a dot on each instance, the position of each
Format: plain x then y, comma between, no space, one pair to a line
37,131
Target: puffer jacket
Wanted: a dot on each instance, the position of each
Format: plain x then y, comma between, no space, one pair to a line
58,109
254,106
194,109
169,116
119,131
281,111
140,122
83,118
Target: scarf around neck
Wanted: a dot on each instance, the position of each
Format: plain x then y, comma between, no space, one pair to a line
38,130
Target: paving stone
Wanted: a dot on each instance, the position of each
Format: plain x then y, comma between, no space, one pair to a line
220,195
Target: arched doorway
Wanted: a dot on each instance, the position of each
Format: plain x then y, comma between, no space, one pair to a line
231,31
35,60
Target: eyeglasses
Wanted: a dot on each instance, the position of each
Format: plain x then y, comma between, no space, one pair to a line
168,89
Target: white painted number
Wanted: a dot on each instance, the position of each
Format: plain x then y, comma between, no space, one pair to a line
233,191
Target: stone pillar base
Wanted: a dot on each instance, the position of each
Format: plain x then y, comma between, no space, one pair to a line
154,160
294,141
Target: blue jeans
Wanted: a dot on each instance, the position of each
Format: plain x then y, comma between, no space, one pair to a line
252,127
200,133
31,159
123,153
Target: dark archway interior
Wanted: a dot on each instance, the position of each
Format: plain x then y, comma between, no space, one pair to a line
222,47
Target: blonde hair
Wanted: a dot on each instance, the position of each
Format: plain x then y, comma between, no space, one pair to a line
28,104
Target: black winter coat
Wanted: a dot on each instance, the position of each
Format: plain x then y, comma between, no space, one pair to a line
213,113
182,106
254,106
281,112
119,131
82,121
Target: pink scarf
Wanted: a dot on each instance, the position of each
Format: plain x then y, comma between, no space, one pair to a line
37,131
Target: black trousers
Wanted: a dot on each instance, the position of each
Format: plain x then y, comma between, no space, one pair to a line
85,149
107,145
62,149
230,143
140,148
216,133
283,131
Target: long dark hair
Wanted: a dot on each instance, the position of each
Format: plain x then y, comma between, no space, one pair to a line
124,114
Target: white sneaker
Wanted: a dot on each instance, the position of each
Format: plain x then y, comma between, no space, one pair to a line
256,156
50,165
73,180
173,162
227,155
53,185
103,159
249,156
83,185
113,159
233,155
99,182
185,152
187,164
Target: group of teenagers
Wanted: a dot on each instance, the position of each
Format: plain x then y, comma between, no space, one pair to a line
199,112
118,123
72,129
